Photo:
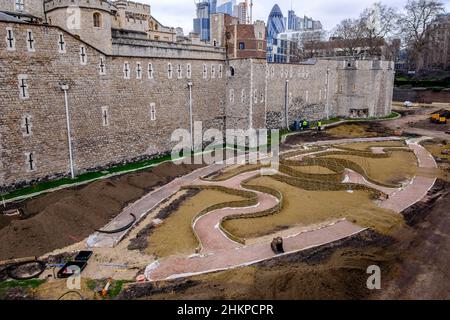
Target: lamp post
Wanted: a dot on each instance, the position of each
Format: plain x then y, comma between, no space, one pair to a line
65,87
327,107
191,120
286,103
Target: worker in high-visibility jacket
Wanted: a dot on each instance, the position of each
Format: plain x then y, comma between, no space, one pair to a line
319,126
305,125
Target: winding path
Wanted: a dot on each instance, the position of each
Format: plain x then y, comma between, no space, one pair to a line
219,252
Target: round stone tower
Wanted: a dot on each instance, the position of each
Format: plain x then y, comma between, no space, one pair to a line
91,20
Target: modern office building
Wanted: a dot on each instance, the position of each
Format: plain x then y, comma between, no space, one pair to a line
275,26
201,23
226,7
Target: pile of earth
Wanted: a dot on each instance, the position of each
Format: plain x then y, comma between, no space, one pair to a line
345,130
65,217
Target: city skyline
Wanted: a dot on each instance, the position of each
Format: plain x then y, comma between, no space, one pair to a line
180,14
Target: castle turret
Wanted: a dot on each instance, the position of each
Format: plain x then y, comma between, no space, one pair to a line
91,20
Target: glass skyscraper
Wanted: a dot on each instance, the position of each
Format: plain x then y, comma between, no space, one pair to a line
275,25
201,23
226,7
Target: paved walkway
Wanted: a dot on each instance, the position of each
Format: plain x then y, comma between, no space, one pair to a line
178,267
419,186
218,252
141,207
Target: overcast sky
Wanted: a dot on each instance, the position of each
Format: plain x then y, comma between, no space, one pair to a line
179,13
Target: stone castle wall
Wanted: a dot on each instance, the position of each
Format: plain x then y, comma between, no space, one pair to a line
120,112
128,134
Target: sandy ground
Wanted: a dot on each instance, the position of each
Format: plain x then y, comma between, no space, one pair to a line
313,169
304,208
175,235
399,167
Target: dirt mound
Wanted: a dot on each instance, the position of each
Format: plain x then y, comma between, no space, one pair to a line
68,216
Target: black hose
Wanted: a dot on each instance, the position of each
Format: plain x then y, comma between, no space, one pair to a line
10,270
128,226
69,292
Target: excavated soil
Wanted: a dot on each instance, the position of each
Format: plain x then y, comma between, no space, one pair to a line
68,216
342,131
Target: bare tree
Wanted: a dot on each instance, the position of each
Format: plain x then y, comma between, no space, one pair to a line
350,33
415,22
378,23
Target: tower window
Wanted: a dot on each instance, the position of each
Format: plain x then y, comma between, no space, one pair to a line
31,162
220,70
138,70
97,17
30,41
61,44
102,66
241,46
169,71
188,71
179,71
20,5
152,112
205,71
23,86
83,56
26,125
213,71
126,70
10,40
105,117
150,71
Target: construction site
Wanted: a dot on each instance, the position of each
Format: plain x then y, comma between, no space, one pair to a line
355,194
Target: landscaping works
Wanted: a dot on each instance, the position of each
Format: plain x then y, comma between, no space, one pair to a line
340,202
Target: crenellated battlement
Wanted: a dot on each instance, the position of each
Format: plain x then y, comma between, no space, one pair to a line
104,5
133,7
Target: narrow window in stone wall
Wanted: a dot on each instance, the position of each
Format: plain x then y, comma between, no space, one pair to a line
126,70
169,71
220,71
152,112
290,97
188,71
30,41
262,96
97,19
20,5
26,125
10,40
213,71
61,44
105,117
231,95
23,86
83,56
179,72
102,66
138,70
354,88
30,161
150,71
243,96
320,95
205,71
255,96
306,96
